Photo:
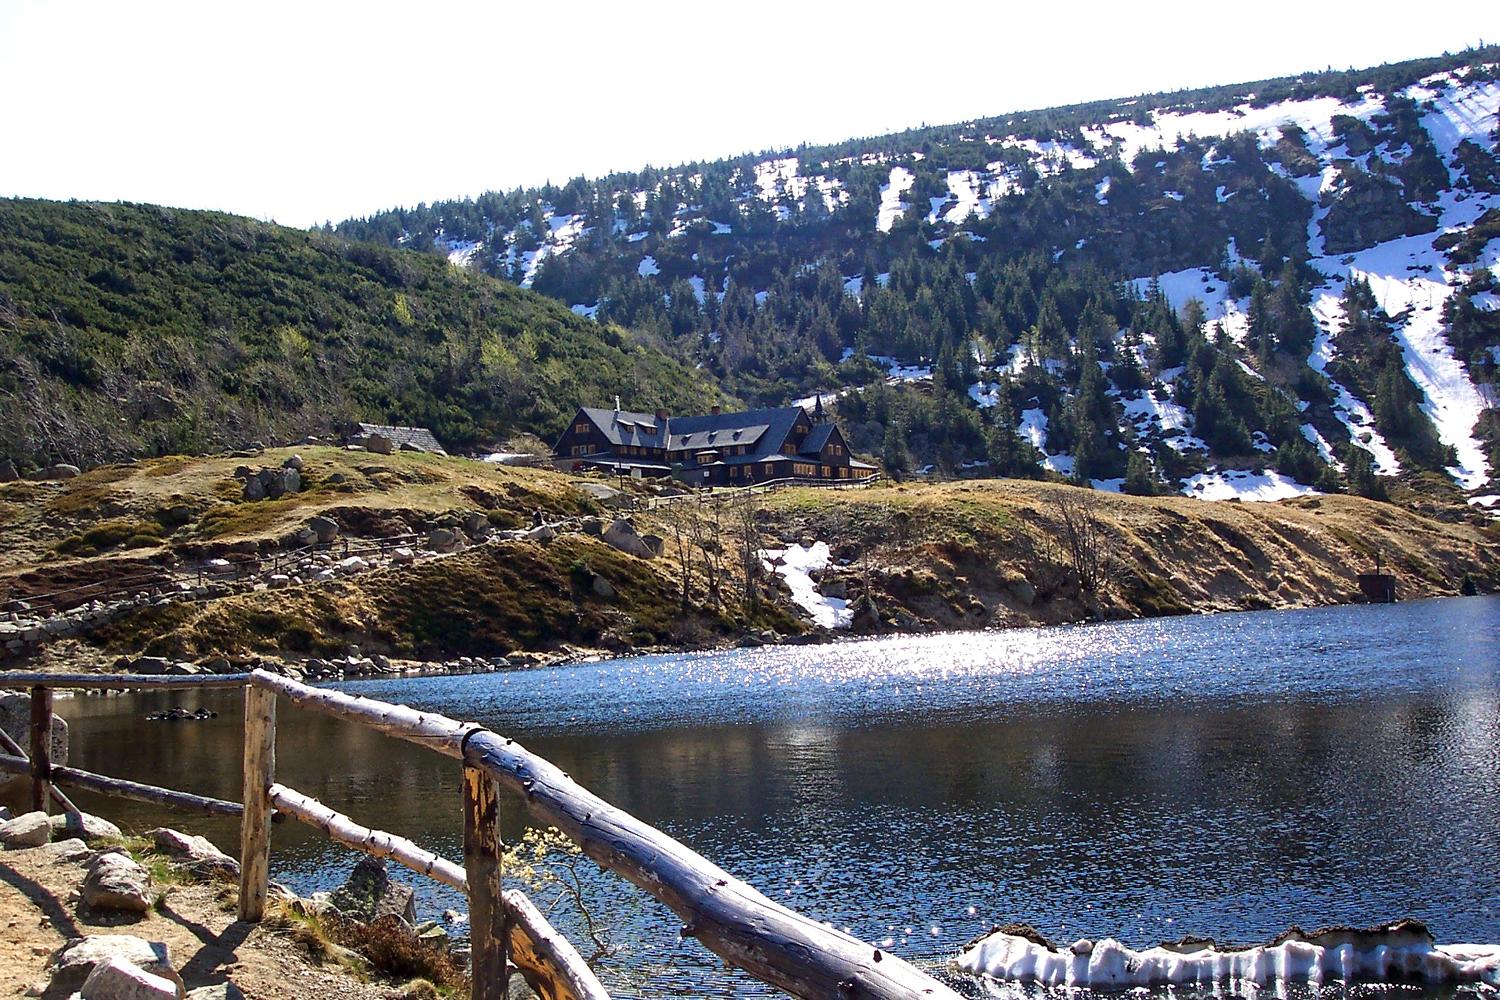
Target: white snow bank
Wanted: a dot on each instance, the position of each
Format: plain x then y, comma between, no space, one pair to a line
647,267
1109,963
891,205
1240,484
795,565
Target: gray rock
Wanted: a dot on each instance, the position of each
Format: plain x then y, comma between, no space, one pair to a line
295,462
84,825
7,471
223,991
60,471
545,533
326,528
475,523
603,588
622,535
27,830
369,893
1023,591
593,526
117,979
151,665
72,849
379,444
15,719
301,538
115,882
6,815
655,543
255,489
442,540
79,956
198,853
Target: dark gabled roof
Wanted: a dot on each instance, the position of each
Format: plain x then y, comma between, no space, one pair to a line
764,430
817,439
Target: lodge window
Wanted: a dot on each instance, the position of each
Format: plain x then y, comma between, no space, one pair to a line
582,428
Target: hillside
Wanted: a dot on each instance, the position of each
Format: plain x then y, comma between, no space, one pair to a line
1017,294
436,558
134,330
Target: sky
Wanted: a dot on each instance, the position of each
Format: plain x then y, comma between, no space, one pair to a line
309,111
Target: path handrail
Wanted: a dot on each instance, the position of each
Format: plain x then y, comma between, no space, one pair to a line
773,943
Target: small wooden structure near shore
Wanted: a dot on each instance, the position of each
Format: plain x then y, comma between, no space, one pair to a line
1378,587
771,942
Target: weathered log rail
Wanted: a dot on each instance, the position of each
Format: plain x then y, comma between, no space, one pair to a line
733,920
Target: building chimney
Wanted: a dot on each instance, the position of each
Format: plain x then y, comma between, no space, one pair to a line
717,409
661,415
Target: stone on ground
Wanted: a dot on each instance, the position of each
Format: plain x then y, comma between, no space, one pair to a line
115,882
71,849
78,957
222,991
622,535
27,830
369,893
84,825
116,979
198,853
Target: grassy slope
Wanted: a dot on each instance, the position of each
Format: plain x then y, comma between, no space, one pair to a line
953,554
956,555
128,330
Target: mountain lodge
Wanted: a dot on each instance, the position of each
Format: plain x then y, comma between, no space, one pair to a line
714,449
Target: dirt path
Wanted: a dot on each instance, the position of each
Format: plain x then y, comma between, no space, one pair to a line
39,912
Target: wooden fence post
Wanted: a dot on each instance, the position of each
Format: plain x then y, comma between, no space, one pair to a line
255,825
482,849
41,749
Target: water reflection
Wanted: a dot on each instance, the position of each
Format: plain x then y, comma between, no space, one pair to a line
1230,776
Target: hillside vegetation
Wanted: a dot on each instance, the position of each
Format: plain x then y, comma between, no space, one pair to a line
907,557
134,330
1174,292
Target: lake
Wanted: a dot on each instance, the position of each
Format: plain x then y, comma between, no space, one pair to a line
1225,775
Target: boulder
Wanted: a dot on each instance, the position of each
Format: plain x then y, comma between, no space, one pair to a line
593,526
379,444
255,489
300,538
115,882
60,471
369,893
198,853
15,719
442,540
655,543
545,533
84,825
353,564
72,849
1024,591
403,556
474,524
223,991
27,830
603,588
295,462
7,471
327,528
117,979
409,446
622,535
78,957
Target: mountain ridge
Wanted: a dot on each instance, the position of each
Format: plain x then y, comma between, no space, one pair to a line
1241,195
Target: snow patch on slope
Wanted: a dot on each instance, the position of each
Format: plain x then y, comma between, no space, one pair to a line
796,564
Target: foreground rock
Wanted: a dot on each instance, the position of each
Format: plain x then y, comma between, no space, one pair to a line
27,830
369,893
78,958
115,882
85,826
197,853
117,979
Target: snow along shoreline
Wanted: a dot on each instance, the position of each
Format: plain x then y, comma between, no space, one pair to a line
1401,952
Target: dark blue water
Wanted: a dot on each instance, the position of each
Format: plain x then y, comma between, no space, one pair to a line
1228,776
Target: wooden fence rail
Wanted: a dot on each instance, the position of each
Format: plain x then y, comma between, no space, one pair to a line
771,942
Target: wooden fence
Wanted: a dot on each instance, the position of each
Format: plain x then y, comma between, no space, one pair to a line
771,942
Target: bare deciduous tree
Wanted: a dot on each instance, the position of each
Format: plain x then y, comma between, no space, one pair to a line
1085,540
